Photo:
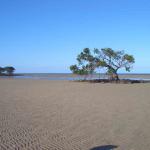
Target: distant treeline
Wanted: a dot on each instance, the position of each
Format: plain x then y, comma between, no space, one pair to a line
8,70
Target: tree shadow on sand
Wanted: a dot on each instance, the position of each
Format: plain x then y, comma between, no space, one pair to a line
105,147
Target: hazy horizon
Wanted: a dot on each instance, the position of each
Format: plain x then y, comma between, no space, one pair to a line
72,73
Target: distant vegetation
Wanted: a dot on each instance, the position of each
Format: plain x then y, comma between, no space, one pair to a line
9,70
90,60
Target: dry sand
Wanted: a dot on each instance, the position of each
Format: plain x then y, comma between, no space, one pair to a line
65,115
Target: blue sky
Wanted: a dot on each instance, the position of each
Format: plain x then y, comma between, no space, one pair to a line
46,35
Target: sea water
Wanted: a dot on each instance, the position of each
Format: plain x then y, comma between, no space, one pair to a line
69,76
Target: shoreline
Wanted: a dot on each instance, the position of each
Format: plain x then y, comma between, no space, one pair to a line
41,114
59,76
91,81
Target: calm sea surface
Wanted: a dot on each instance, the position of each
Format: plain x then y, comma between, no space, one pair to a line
68,76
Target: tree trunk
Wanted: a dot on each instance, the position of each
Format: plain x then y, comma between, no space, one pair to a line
115,76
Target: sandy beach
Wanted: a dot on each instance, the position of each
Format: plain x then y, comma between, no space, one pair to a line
66,115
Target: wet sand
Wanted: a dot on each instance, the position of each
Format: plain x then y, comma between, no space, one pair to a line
67,115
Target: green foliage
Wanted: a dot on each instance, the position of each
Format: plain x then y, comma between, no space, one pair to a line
86,63
107,58
1,70
9,70
74,69
114,60
80,71
101,63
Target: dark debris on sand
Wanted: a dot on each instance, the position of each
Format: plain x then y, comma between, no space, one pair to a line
124,81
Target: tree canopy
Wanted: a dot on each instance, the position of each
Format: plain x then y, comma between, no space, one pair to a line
8,70
1,70
106,58
86,63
